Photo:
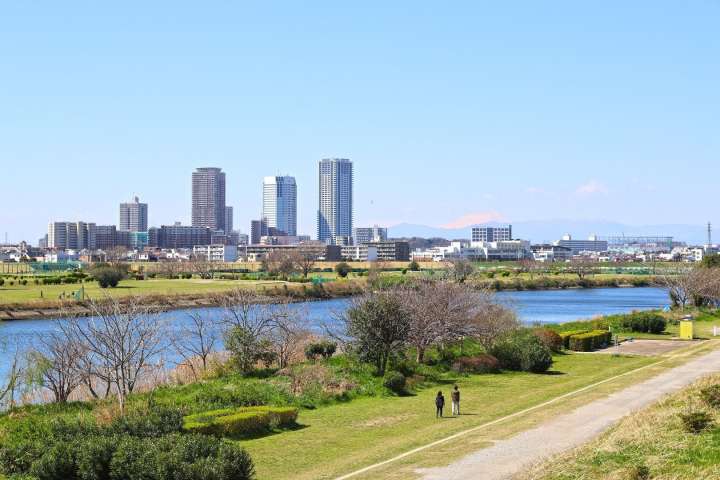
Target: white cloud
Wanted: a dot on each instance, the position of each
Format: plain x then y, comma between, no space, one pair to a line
592,187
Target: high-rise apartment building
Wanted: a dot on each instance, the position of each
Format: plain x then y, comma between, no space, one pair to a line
335,201
492,234
71,235
133,216
280,204
208,198
258,229
228,219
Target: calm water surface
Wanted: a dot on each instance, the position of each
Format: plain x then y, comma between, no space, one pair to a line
547,306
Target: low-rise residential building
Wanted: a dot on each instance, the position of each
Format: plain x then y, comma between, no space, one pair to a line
391,250
359,253
551,253
217,252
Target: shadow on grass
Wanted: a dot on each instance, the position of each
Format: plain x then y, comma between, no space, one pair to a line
553,373
267,433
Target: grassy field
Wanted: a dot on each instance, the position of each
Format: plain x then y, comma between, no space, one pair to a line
649,444
340,438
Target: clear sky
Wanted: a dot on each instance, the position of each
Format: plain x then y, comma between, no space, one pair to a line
453,112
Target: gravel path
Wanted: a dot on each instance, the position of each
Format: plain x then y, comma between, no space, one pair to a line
508,457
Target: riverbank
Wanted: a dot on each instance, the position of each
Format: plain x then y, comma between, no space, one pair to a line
295,292
166,295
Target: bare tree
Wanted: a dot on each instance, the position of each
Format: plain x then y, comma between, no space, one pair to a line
692,285
491,322
200,266
460,269
196,341
12,382
120,341
281,262
306,258
439,312
57,362
530,266
288,329
582,267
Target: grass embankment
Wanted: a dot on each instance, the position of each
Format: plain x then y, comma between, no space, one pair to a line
652,443
340,438
27,301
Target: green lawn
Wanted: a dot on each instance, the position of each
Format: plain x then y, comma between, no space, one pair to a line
29,293
340,438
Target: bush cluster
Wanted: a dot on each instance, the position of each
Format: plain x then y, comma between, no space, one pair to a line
141,445
522,350
324,349
243,421
711,395
550,338
482,363
643,322
587,342
395,382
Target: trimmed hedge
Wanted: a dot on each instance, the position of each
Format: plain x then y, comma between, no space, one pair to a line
565,336
587,342
549,338
243,421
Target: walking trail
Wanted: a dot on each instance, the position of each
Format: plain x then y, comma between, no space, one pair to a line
506,458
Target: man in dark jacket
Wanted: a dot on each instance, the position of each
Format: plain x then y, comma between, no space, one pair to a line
439,404
455,397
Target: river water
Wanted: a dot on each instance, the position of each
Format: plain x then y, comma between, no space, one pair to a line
536,306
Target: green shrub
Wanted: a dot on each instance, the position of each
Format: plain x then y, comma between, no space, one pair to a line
155,422
173,457
587,342
107,276
324,349
482,363
414,266
642,322
395,382
711,395
696,421
342,269
242,421
522,350
549,338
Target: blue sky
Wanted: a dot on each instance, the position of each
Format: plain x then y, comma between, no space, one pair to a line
453,112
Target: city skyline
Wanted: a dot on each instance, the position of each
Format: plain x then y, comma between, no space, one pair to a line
454,116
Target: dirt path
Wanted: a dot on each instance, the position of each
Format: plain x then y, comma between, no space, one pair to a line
514,455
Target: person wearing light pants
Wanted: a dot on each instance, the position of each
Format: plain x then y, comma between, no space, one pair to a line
455,396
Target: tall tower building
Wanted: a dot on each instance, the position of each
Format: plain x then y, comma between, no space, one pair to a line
228,219
133,216
280,204
335,201
208,198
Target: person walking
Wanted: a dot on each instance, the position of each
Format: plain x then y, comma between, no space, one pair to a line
455,397
439,404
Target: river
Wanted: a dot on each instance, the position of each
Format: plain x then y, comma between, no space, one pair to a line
535,306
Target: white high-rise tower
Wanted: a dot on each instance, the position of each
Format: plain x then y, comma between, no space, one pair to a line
280,204
335,201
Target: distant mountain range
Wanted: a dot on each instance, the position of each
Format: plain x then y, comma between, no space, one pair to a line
541,231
